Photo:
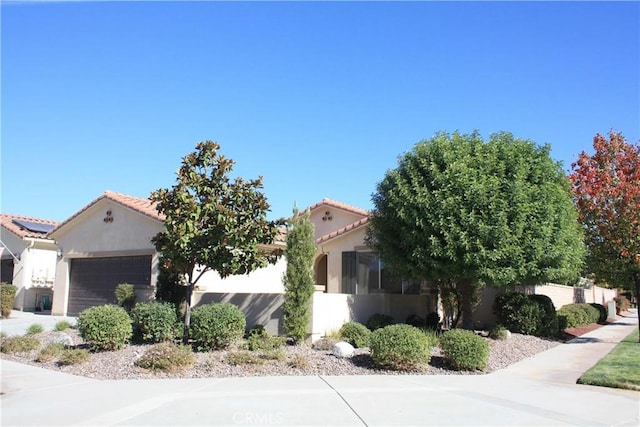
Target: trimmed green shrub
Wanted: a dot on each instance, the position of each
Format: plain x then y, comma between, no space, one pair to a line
572,315
166,356
7,296
155,321
548,325
464,350
50,352
126,296
260,340
62,325
258,330
379,320
19,344
36,328
400,347
602,310
105,327
74,356
593,314
526,314
355,334
217,325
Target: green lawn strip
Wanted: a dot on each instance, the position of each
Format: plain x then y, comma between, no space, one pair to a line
619,368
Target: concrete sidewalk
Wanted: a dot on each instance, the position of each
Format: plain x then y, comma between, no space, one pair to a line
538,391
19,321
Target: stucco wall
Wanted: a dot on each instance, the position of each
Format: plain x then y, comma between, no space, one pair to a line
35,269
259,308
61,289
563,295
263,280
331,311
89,234
339,219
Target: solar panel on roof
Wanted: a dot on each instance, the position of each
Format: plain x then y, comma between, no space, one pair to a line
36,227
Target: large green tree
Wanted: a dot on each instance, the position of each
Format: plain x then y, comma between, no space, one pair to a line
461,210
212,222
606,186
298,278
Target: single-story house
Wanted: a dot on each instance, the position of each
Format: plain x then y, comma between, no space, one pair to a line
28,260
108,242
79,262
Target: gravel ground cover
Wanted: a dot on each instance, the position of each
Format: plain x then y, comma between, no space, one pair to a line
295,360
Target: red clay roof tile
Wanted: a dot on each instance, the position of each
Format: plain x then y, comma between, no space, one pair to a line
359,223
138,204
338,205
6,220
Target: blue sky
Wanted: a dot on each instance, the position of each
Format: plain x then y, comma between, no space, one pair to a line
319,98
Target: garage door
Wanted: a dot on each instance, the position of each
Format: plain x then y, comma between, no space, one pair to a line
93,280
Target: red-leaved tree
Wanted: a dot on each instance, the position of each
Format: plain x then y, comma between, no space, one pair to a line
606,186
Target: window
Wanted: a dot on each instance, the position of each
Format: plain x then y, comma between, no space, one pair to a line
364,273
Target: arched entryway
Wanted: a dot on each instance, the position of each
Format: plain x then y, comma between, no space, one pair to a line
320,273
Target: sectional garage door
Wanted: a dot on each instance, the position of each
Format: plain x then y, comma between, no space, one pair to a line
93,280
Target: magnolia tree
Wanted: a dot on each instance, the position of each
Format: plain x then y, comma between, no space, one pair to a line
462,211
212,222
606,187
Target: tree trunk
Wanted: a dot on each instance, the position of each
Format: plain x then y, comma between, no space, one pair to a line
636,279
465,290
187,313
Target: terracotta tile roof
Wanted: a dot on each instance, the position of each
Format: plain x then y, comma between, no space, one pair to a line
338,205
6,221
138,204
144,206
359,223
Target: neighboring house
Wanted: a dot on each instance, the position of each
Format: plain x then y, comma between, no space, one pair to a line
28,260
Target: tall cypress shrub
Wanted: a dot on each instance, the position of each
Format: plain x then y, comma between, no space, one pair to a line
298,279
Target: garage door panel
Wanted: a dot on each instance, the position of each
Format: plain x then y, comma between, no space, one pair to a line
93,280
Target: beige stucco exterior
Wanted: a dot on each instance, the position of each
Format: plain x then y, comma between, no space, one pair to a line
104,229
330,218
267,280
111,228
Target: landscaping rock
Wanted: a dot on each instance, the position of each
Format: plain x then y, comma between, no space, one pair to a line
59,338
343,349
